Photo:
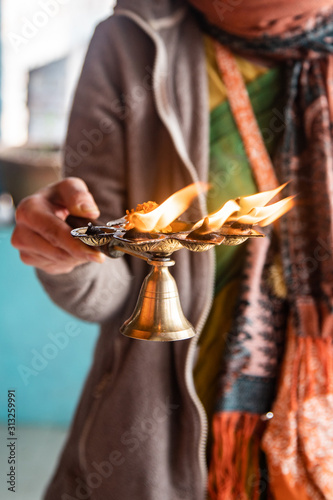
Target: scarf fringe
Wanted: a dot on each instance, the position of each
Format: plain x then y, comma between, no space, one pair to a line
313,364
234,469
298,440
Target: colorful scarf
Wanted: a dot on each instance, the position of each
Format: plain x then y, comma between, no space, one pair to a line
298,440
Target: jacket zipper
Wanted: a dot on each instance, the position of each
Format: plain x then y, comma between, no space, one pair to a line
189,375
170,121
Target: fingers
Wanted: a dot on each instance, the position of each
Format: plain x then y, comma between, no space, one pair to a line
38,228
36,215
73,194
42,236
29,241
46,264
38,252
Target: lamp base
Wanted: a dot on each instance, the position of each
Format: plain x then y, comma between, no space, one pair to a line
158,315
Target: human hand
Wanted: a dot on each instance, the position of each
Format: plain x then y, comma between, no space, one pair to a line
41,234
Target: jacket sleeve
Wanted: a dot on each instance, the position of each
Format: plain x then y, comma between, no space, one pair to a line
95,151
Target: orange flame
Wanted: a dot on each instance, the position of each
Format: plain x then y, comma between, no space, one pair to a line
247,210
162,216
266,215
251,210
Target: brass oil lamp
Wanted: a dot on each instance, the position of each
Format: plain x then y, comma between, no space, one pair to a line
155,234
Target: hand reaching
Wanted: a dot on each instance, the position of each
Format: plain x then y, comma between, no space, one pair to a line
41,234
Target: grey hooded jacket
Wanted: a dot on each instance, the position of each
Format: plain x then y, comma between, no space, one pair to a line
138,131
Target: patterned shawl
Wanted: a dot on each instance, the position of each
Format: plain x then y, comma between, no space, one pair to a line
298,440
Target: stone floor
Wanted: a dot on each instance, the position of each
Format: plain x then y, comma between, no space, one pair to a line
36,453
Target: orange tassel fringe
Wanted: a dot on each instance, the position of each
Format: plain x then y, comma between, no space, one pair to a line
298,440
234,469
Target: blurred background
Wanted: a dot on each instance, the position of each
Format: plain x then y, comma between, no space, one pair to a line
45,354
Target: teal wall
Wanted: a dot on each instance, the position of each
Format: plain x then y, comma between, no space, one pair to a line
45,353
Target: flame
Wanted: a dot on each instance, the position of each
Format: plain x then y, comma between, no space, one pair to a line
263,216
162,216
247,210
216,220
246,203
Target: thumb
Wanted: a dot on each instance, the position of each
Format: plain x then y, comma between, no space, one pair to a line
73,194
